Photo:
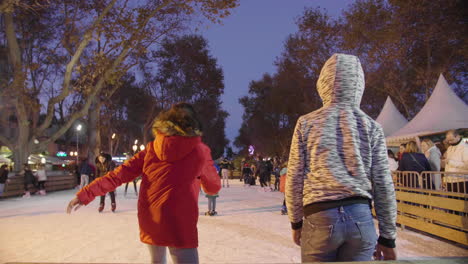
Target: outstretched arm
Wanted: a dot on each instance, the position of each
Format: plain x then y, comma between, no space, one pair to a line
125,173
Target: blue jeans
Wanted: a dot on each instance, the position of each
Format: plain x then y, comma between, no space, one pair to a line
178,255
345,233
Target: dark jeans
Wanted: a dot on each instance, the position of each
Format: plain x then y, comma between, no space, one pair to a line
263,181
277,183
112,196
41,185
345,233
134,186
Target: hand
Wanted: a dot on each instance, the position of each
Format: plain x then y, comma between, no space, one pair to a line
74,202
296,234
384,253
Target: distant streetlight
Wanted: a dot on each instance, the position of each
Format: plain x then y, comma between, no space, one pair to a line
135,148
71,153
142,147
136,141
112,143
78,129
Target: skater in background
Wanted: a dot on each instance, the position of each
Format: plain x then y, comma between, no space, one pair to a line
225,167
283,173
135,181
276,173
86,171
247,173
41,178
3,177
29,179
134,186
173,167
104,165
212,204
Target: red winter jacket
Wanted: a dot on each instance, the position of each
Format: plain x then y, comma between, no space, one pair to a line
172,169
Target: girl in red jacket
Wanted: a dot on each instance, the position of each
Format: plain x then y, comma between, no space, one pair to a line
172,167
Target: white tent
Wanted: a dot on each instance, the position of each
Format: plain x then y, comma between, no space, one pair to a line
390,118
443,111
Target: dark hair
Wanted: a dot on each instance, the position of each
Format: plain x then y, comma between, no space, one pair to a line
455,132
390,153
182,115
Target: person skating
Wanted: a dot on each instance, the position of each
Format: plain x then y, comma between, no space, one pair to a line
172,167
264,173
41,178
86,172
225,167
283,173
29,179
104,165
337,166
211,204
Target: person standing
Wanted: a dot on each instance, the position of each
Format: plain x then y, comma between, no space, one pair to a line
41,178
86,172
283,173
211,204
412,160
104,165
456,161
173,167
337,166
3,177
392,163
29,179
225,166
433,155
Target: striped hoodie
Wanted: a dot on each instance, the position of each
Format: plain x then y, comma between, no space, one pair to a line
338,151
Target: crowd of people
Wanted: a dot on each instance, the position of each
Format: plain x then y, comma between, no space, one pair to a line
338,168
449,156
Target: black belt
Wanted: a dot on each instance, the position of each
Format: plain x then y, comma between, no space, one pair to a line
322,206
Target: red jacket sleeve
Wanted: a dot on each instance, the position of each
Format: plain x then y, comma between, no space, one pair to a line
210,181
125,173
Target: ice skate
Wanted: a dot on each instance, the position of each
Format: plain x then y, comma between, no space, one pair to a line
113,206
213,213
208,213
26,195
101,208
284,210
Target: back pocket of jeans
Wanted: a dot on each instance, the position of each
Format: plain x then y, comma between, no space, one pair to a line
367,232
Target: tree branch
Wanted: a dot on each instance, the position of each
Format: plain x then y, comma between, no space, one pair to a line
69,69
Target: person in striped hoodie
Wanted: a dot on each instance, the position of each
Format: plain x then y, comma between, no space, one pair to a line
337,167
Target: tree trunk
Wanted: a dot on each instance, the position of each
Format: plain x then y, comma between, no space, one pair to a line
94,137
21,153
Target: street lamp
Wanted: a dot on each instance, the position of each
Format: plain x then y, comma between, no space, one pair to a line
78,129
142,147
111,144
135,148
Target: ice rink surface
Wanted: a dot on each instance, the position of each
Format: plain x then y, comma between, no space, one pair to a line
249,228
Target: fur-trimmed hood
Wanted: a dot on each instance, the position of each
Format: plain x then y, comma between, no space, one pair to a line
168,128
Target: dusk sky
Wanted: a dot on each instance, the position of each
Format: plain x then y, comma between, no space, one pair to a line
248,42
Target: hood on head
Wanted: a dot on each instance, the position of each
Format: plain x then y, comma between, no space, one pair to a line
341,80
172,148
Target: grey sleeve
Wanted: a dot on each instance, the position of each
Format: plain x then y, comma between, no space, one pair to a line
295,179
383,189
434,160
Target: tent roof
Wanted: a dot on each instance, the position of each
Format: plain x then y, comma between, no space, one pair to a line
390,118
443,111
